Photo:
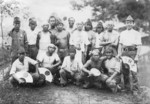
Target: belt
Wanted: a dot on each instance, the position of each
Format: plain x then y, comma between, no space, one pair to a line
130,48
62,50
32,46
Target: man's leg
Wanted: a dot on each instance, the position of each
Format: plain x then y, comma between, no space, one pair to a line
64,77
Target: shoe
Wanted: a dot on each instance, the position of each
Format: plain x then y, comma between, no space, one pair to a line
86,85
63,85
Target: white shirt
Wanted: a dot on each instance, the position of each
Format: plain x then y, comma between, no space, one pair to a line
44,40
73,66
113,65
130,38
32,36
18,66
79,39
47,61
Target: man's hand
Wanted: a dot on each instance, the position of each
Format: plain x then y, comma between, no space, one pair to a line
21,81
90,74
72,74
108,80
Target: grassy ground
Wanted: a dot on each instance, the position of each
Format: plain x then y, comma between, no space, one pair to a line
51,94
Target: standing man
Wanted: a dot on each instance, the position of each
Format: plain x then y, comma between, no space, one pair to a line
19,39
62,41
32,36
91,37
52,22
44,38
109,38
79,39
71,27
129,45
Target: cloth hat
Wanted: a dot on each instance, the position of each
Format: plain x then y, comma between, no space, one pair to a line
21,50
109,24
32,21
95,51
129,18
52,46
17,20
109,49
99,25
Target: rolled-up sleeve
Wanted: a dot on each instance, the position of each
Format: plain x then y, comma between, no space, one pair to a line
13,69
31,61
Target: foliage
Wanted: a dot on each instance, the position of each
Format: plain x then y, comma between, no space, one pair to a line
105,9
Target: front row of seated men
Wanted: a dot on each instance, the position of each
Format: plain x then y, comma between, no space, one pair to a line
71,70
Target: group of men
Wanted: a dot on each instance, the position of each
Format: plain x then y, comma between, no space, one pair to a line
70,52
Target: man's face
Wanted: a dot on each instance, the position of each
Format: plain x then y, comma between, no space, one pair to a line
71,22
52,21
51,50
60,27
17,26
88,27
129,24
72,55
95,57
45,28
110,28
99,29
21,56
32,26
109,54
80,27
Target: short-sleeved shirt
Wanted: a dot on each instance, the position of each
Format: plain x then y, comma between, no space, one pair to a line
18,66
112,65
91,64
19,39
47,61
74,65
32,36
130,38
79,39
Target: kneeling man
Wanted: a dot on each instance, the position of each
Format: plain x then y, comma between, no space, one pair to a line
112,70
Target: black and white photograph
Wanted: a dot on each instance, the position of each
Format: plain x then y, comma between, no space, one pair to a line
74,51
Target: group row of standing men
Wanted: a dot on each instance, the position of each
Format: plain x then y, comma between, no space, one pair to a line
71,51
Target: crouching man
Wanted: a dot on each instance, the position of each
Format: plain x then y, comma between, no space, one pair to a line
88,76
51,61
71,69
22,64
112,70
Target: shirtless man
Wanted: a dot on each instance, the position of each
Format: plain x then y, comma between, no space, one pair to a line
62,41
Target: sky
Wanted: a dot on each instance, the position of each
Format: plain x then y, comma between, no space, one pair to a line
42,9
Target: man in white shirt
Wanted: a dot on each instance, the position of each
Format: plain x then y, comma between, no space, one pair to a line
79,39
70,69
71,27
129,45
51,61
31,37
22,65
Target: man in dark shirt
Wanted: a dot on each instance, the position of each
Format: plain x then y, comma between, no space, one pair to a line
94,62
19,39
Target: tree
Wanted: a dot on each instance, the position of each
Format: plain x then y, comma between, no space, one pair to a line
11,9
